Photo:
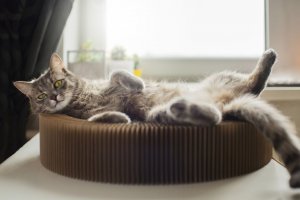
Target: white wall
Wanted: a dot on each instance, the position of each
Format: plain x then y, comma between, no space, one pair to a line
290,108
71,33
284,33
284,36
86,23
92,22
287,100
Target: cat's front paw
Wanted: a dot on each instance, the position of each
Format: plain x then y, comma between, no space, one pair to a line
127,80
110,117
182,110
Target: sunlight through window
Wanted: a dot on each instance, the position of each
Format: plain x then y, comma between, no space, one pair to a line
187,28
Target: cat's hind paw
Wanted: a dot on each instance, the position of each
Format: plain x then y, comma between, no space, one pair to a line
182,110
268,58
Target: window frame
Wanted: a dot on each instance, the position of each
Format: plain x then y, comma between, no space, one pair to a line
156,68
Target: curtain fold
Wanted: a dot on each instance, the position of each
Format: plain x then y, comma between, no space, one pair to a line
29,34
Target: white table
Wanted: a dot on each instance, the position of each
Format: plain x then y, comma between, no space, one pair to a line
23,177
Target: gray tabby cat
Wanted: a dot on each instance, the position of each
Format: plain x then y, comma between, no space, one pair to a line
124,97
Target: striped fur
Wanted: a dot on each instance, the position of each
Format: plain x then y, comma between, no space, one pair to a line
274,126
125,98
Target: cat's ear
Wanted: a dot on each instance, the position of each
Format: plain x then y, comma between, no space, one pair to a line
56,63
24,87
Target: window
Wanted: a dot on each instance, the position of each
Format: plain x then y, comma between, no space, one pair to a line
187,28
174,39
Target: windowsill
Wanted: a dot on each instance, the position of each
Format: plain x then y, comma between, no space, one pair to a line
281,94
192,69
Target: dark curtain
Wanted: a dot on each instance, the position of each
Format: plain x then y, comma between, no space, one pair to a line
29,33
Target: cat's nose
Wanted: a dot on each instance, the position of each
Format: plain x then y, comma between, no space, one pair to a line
53,97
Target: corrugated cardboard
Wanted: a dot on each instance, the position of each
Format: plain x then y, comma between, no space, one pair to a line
145,153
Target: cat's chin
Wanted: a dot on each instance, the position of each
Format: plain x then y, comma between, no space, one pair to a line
59,106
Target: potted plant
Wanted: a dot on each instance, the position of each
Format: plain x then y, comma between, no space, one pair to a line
87,62
119,61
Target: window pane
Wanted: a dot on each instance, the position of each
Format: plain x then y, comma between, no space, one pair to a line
187,28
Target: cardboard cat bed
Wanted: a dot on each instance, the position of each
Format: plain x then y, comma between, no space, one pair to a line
143,153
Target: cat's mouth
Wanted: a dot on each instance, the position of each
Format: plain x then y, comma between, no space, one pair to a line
55,104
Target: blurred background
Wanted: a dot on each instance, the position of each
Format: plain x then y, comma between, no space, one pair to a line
182,39
171,40
185,39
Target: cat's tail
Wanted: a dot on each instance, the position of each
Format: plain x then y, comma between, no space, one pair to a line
274,126
258,78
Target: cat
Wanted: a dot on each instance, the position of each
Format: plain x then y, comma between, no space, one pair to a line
124,98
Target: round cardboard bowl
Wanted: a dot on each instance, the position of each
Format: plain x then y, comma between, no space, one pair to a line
144,153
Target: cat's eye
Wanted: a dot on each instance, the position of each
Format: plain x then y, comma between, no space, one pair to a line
42,96
58,84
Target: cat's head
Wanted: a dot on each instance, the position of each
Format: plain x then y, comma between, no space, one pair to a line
52,91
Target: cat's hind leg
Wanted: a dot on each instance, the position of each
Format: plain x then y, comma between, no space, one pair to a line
204,114
274,126
110,117
182,111
258,78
